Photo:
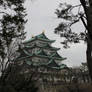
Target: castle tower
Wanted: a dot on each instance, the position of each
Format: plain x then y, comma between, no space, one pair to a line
38,52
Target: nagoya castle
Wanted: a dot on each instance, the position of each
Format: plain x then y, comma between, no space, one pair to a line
39,55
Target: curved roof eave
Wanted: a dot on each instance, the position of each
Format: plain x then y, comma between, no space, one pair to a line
42,37
45,47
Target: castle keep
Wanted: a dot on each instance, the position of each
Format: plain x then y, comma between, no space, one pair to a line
39,55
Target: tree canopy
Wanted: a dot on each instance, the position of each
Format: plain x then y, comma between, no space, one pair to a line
70,17
12,20
64,29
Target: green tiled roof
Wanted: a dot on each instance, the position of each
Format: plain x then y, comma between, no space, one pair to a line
62,66
47,46
57,56
38,63
30,40
27,55
41,52
41,37
52,63
50,47
42,56
46,40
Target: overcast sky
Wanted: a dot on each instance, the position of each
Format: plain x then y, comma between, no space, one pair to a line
41,17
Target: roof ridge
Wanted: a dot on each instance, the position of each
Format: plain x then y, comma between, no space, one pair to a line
62,66
42,35
45,46
42,51
53,61
27,53
56,53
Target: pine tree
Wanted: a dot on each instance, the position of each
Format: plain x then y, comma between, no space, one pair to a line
64,29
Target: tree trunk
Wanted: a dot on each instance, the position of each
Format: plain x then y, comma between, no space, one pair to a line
89,55
88,13
89,39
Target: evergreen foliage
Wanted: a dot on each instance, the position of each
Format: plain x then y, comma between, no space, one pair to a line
70,18
12,21
64,29
11,27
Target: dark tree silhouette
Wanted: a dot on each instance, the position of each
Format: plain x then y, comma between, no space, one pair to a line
12,22
64,29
